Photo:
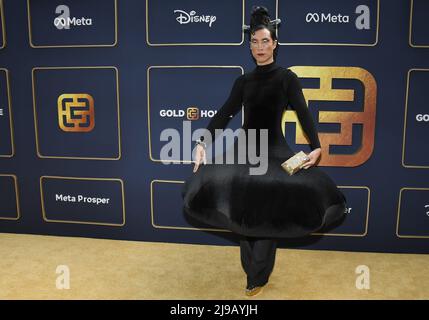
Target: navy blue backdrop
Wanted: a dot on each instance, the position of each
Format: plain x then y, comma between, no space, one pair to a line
87,88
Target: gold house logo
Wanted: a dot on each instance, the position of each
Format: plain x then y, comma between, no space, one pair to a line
76,112
192,113
346,119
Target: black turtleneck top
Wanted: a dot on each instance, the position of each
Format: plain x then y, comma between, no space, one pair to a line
265,93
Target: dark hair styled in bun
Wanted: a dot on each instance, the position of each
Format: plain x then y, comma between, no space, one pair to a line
259,19
259,16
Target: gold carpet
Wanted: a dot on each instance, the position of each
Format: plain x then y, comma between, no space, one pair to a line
112,269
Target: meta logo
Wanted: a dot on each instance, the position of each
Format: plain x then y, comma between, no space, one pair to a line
64,21
422,117
76,112
362,20
185,18
191,113
427,209
1,111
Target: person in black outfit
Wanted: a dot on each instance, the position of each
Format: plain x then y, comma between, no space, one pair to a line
262,208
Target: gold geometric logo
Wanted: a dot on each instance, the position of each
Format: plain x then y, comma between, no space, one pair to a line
192,113
76,112
346,119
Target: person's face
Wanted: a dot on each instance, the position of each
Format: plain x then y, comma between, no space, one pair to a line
262,46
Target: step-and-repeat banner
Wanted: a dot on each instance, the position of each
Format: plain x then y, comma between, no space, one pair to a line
88,89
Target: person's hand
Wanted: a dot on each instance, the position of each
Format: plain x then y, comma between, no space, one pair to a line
314,156
200,157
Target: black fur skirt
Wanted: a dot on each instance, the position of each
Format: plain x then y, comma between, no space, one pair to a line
273,204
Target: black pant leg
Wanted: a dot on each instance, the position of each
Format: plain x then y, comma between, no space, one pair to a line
246,254
258,258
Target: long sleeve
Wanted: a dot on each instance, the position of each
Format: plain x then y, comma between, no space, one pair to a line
297,102
229,109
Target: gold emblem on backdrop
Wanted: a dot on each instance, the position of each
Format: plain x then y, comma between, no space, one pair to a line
192,113
76,112
346,119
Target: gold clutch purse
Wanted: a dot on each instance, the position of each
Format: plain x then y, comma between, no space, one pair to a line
295,163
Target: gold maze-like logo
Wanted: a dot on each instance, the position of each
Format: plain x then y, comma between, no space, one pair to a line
192,113
346,119
76,112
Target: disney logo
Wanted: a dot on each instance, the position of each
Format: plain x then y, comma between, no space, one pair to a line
184,17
